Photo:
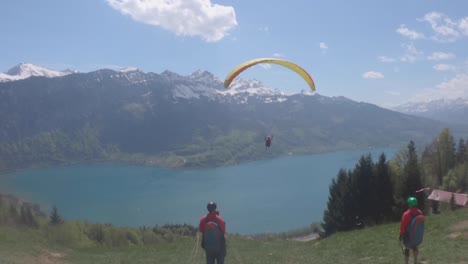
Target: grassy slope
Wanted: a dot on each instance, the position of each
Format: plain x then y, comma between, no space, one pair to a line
446,241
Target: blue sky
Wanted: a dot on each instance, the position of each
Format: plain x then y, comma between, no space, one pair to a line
382,52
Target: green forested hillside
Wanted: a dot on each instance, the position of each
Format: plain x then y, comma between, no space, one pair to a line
106,115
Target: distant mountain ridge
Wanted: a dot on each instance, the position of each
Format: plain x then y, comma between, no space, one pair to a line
26,70
446,110
193,121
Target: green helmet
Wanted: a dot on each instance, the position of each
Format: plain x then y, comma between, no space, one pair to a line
412,202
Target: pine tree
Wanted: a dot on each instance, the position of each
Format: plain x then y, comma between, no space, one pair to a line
55,218
461,151
413,176
337,216
361,184
330,215
466,149
384,190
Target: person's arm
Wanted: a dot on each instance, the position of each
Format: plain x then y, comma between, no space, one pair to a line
405,220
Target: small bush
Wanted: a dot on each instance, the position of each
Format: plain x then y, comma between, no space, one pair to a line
150,238
95,232
69,234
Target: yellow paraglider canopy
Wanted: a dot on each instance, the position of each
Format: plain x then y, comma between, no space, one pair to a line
241,67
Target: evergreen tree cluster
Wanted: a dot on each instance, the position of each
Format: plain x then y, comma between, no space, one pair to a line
360,197
375,193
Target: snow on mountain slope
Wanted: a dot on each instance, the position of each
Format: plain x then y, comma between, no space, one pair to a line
433,106
199,84
204,84
447,110
26,70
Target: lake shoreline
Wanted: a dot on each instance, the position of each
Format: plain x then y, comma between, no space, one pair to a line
159,161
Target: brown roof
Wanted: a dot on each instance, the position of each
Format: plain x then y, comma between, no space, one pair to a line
444,196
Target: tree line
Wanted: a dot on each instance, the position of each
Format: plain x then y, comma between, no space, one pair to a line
54,147
373,193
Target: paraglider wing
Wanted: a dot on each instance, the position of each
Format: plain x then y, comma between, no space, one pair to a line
292,66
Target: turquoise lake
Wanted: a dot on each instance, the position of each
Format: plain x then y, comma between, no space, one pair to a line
265,196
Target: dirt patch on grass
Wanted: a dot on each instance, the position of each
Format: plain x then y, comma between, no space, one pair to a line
455,235
49,257
463,225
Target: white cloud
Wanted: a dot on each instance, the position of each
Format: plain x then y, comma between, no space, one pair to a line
403,30
372,75
386,59
265,65
323,46
393,93
441,56
183,17
444,67
265,29
278,55
463,26
445,28
411,53
454,88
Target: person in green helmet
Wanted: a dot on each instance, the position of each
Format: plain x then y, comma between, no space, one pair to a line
406,219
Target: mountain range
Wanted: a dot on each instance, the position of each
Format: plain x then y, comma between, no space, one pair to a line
445,110
192,121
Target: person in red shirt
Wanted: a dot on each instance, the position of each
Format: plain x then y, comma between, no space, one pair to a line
404,225
213,217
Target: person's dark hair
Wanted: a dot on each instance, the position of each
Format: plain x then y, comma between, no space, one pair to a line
211,206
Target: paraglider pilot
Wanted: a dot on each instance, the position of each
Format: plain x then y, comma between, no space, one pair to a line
268,140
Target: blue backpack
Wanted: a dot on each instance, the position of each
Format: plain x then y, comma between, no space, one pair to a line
415,231
212,236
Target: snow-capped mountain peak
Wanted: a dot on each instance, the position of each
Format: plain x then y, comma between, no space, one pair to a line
307,92
128,69
435,105
201,74
26,70
444,109
240,85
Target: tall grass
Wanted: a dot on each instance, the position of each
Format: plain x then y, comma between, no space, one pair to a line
445,241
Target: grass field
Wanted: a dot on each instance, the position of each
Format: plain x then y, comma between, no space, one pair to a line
445,241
